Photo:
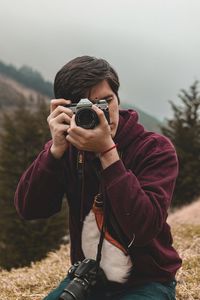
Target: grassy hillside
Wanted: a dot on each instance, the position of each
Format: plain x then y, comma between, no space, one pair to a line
35,282
13,93
8,94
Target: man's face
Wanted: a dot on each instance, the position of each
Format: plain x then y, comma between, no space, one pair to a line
103,91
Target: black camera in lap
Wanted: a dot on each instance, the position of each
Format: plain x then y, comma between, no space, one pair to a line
85,116
84,276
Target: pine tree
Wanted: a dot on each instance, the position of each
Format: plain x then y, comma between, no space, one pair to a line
24,133
184,132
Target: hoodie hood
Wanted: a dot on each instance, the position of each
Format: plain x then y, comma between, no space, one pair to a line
128,128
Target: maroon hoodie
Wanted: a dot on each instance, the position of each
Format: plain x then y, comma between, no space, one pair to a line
139,190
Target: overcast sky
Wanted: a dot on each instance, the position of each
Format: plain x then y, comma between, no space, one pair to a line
153,44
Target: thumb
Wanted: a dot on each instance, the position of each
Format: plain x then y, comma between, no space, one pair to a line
100,114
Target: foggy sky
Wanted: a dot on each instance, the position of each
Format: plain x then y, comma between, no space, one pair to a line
153,44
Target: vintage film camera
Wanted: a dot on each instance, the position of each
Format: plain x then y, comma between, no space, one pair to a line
85,116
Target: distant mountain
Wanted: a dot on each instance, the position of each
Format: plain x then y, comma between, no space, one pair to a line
148,121
28,77
13,93
25,84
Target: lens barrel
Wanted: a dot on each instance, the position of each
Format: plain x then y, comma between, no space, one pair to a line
75,290
86,118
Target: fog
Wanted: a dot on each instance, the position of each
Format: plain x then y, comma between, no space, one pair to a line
153,44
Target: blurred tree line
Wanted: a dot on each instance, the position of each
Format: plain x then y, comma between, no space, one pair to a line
24,134
184,132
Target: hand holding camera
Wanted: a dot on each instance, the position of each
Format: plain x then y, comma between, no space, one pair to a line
89,128
85,115
84,124
59,121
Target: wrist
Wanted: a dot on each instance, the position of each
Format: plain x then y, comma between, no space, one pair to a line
57,152
108,150
109,156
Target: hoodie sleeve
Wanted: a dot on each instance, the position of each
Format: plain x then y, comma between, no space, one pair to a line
140,197
40,190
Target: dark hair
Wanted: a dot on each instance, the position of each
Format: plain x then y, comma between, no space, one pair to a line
75,79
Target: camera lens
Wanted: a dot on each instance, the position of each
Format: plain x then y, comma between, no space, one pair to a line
86,118
75,290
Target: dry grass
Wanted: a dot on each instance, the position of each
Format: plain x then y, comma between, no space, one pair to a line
35,282
185,224
187,242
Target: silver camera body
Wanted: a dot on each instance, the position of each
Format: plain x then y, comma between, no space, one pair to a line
85,116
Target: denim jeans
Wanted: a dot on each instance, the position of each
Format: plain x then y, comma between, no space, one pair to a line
149,291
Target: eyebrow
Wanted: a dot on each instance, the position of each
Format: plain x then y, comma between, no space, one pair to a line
104,98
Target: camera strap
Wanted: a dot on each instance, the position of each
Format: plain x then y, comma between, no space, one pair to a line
80,172
109,222
103,230
112,225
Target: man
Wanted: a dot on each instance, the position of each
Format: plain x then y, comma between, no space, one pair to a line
135,169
